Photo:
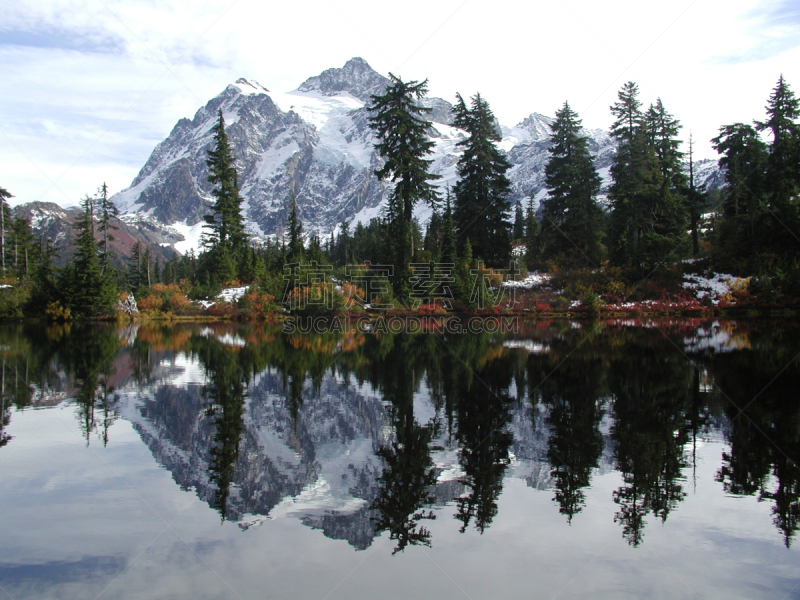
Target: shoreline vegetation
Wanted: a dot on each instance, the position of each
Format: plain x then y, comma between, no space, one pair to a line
658,245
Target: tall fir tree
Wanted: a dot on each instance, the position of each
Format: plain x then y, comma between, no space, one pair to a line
225,235
401,127
695,198
107,213
783,170
667,240
783,166
294,231
22,247
90,292
449,248
533,236
482,206
519,222
5,213
135,267
636,182
760,217
741,229
572,218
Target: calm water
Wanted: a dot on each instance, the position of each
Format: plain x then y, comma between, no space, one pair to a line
598,460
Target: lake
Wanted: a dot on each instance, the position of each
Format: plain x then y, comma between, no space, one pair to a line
611,459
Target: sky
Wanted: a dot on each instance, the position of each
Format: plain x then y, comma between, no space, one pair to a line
89,87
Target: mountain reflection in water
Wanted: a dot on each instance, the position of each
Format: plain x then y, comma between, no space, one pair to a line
358,434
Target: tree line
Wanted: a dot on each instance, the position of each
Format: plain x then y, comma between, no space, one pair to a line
655,215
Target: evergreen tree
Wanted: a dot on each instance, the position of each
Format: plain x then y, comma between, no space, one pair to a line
533,236
572,217
5,213
668,235
433,232
45,288
449,249
135,267
107,213
783,169
741,233
400,125
225,225
695,198
146,268
344,250
89,291
744,158
294,229
636,182
783,166
22,247
482,206
519,222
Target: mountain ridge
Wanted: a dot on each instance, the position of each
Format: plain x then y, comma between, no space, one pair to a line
315,144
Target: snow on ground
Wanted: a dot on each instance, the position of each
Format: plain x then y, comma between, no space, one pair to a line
232,294
714,287
191,236
531,281
226,295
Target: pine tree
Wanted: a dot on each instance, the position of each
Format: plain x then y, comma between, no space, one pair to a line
344,250
90,292
135,267
107,213
449,249
668,236
433,232
225,225
4,215
482,206
400,125
783,165
533,236
572,218
294,229
519,222
783,170
146,268
45,288
744,161
694,199
636,182
22,247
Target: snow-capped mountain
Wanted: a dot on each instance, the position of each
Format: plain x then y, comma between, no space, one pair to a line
314,143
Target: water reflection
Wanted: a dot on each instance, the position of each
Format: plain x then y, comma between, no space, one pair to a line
358,434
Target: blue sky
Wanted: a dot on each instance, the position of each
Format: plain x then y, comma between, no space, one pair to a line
89,88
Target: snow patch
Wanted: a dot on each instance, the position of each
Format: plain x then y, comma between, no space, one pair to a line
715,287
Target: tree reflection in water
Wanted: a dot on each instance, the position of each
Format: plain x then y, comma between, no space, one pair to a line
653,399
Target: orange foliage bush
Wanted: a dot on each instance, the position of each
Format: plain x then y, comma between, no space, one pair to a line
150,303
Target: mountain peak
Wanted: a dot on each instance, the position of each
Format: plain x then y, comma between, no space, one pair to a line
248,86
355,77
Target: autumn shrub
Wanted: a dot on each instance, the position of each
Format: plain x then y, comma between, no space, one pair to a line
56,312
162,298
256,305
